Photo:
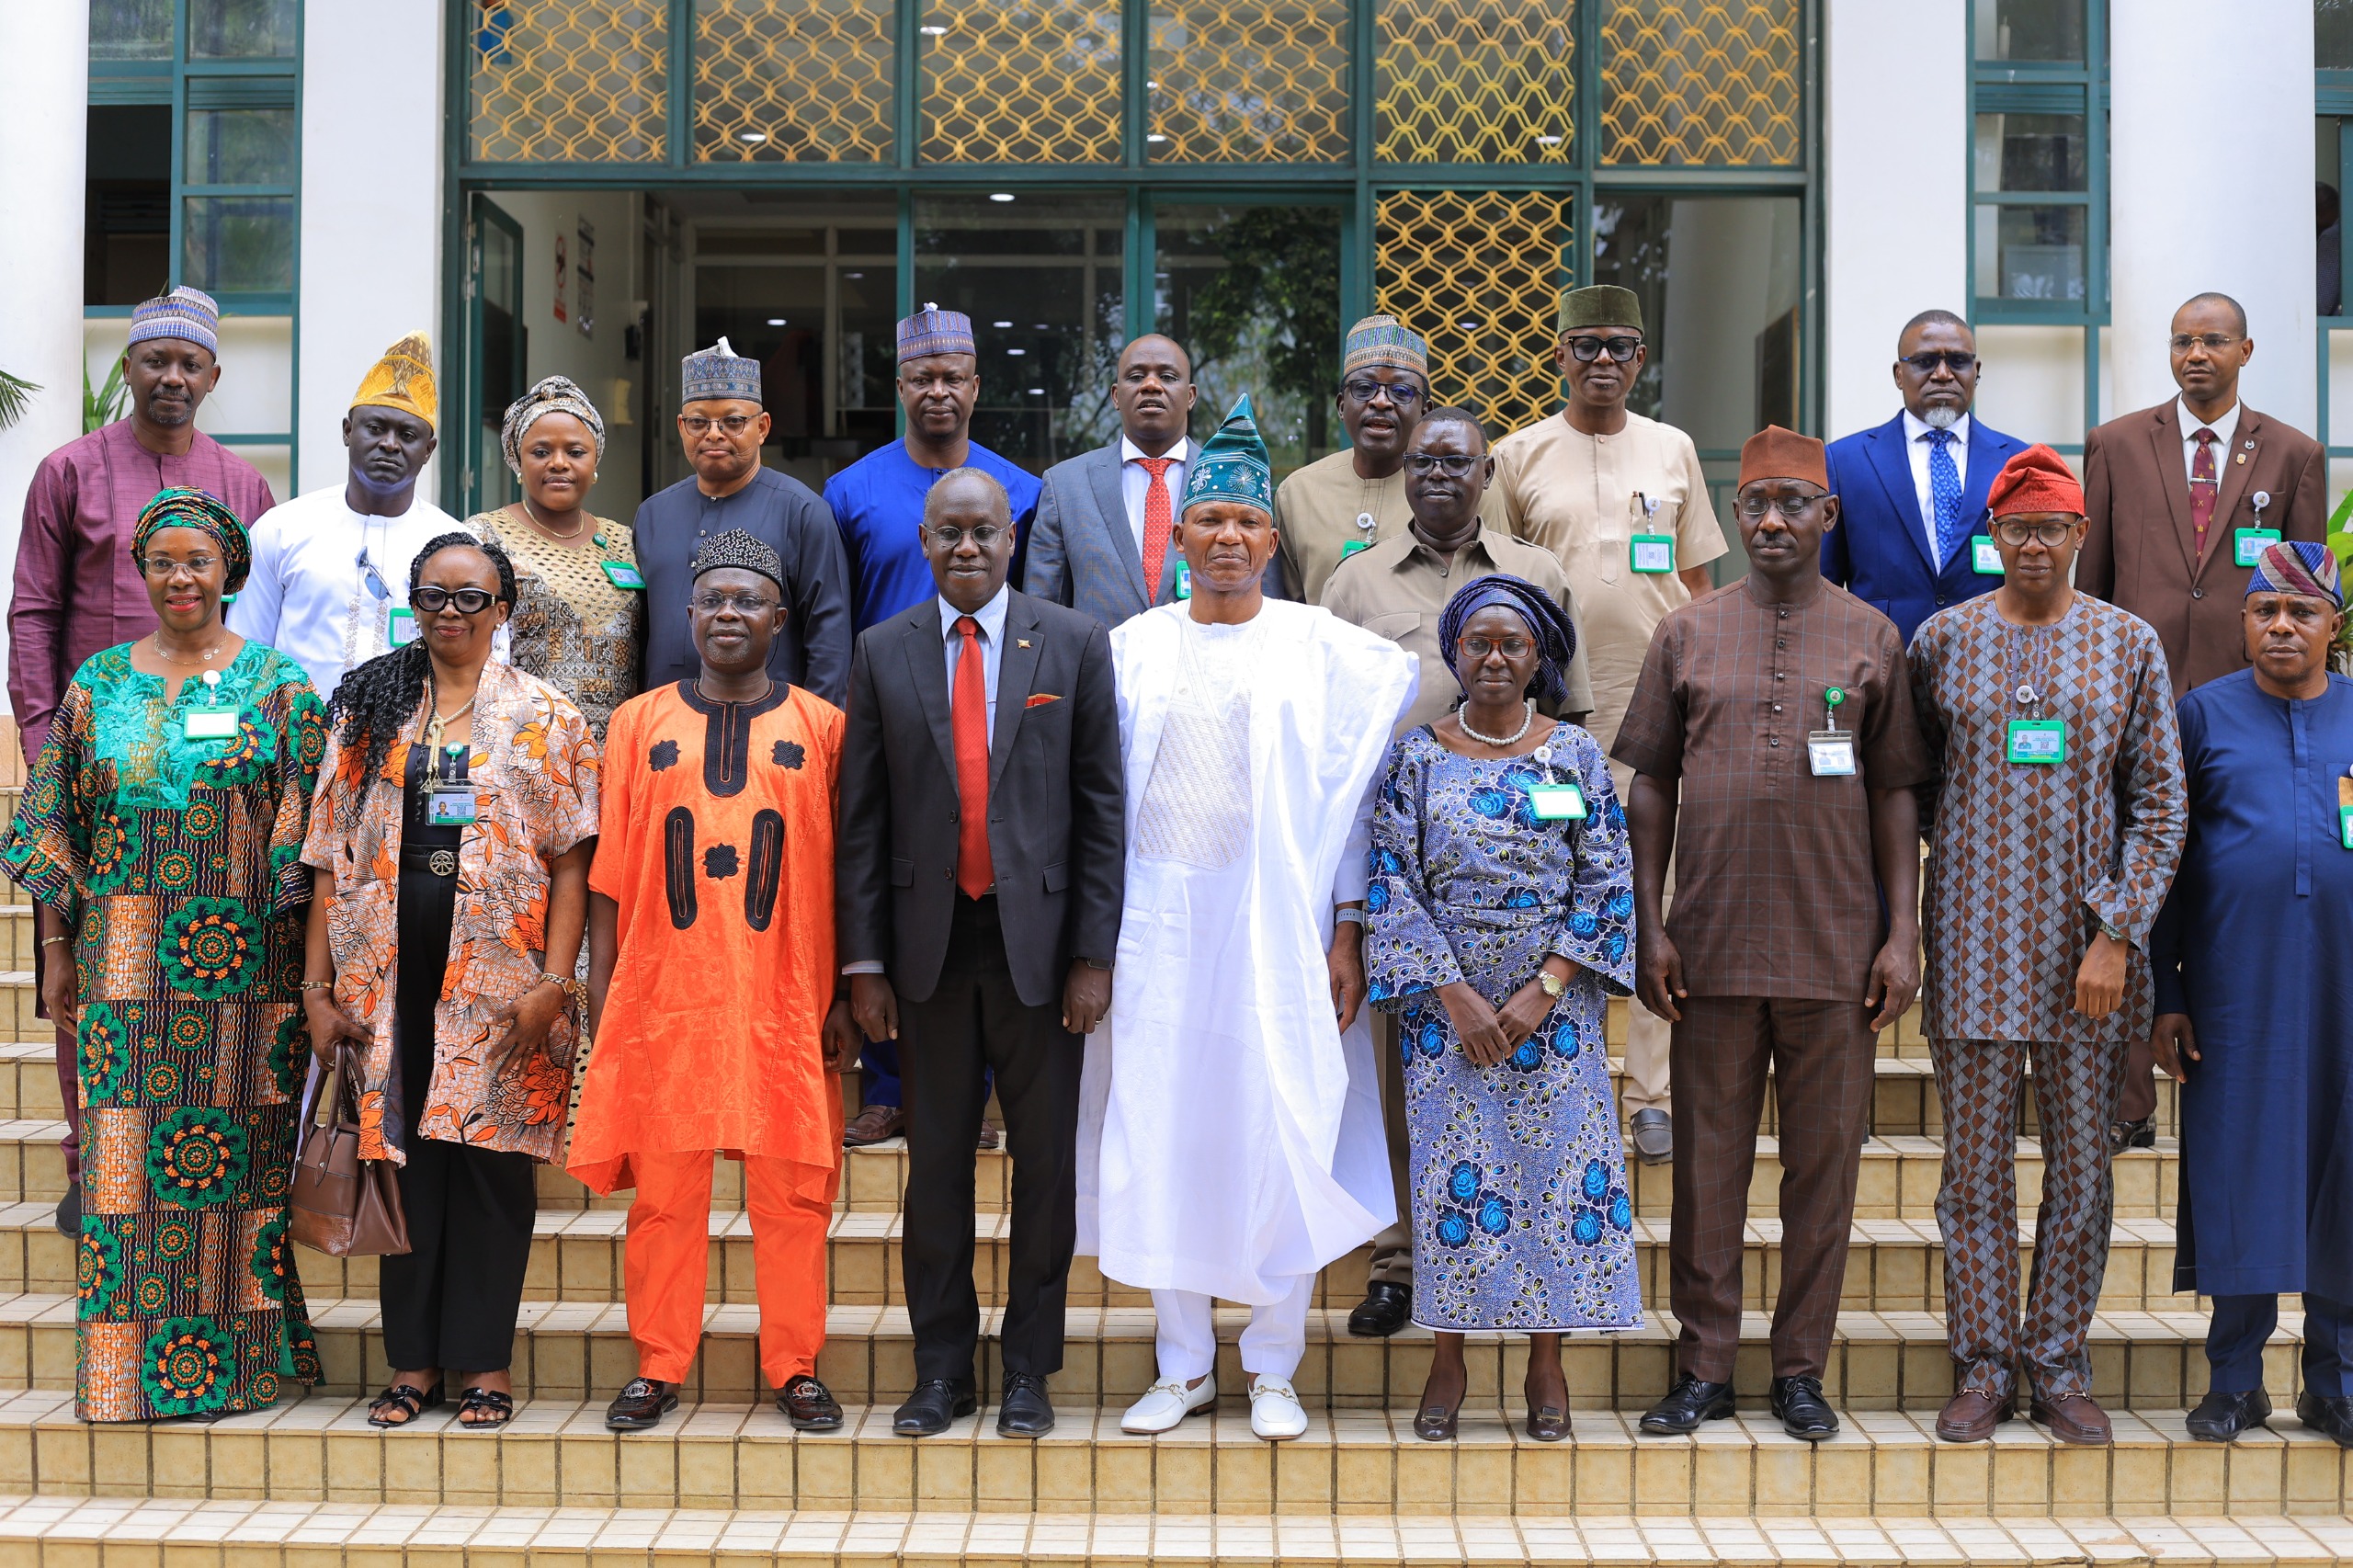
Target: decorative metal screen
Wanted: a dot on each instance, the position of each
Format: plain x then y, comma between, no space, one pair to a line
1713,81
1021,81
1248,81
1479,274
1475,82
570,81
793,81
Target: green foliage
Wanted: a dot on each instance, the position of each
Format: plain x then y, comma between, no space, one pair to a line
16,396
1282,270
106,404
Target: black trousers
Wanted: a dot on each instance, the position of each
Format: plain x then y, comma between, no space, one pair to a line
452,1299
974,1021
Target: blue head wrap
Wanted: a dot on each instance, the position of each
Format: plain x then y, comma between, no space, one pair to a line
1555,633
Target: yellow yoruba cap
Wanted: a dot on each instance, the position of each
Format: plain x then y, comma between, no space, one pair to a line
402,378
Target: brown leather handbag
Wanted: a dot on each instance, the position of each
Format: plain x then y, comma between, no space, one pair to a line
342,1205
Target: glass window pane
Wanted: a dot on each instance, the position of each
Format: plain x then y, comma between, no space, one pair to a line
1253,293
240,146
2030,30
241,29
1248,81
1701,82
1475,82
1021,81
2332,34
1479,274
2030,151
2031,252
774,314
239,243
793,81
1041,278
570,81
130,29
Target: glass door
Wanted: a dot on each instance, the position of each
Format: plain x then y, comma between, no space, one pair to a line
497,348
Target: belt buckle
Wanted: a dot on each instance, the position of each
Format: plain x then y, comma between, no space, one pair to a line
444,863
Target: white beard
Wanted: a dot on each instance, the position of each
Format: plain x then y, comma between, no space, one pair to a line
1942,417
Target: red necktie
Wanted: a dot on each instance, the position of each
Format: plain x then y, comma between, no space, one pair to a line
971,720
2203,490
1158,518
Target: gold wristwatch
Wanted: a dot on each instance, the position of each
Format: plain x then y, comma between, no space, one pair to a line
1555,986
575,993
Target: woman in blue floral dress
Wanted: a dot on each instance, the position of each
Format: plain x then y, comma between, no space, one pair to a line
1502,919
159,835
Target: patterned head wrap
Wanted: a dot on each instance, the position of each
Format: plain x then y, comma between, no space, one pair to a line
1382,340
187,315
1555,633
195,509
718,375
934,331
1601,304
740,550
402,378
556,394
2036,479
1231,466
2298,566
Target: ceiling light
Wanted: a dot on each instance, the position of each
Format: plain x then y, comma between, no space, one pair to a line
1000,323
932,29
1044,327
752,137
1156,136
1468,325
1000,195
853,275
1017,353
1037,391
1548,140
775,321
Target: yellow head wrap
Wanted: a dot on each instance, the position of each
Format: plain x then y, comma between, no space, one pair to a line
402,378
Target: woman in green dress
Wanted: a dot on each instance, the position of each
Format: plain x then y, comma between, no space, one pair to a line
160,837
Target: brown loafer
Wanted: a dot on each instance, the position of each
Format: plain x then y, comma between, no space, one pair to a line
1434,1423
2074,1419
872,1125
1971,1415
990,1136
1548,1423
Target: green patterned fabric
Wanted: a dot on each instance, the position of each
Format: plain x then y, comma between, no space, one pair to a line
177,863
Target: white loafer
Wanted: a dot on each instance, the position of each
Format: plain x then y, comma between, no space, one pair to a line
1166,1404
1275,1411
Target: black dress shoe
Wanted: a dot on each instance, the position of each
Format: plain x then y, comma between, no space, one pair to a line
1688,1403
932,1406
2221,1416
1024,1410
2123,1135
1804,1414
1383,1311
2332,1418
808,1406
69,1211
641,1406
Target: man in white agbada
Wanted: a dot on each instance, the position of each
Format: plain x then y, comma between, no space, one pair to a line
1230,1143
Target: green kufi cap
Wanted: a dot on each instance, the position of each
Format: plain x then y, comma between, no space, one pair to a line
1603,304
1232,465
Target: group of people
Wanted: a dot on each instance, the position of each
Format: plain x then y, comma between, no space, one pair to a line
1269,859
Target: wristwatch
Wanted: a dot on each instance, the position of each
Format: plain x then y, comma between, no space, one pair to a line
1555,986
2113,935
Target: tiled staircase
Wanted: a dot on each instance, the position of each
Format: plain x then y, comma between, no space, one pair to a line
308,1485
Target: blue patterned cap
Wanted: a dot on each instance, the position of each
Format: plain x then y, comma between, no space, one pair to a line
1232,465
934,331
2298,566
718,374
188,314
1384,340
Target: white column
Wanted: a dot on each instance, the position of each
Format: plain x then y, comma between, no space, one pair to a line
371,208
42,154
2222,201
1895,185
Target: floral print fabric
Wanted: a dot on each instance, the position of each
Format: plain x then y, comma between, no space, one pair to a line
534,766
1521,1215
174,862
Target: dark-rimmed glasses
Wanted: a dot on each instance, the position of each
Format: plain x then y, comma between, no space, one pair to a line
746,604
1959,361
431,600
2015,535
1452,465
1404,394
1585,351
699,424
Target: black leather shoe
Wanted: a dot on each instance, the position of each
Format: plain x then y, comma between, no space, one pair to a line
69,1211
1382,1311
2123,1135
1688,1403
1804,1414
1024,1410
808,1406
2221,1416
2331,1417
932,1406
641,1406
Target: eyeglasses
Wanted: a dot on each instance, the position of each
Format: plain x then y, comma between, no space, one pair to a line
429,600
2015,535
1511,647
741,604
698,424
1585,351
1952,359
1404,394
1753,507
982,535
163,565
1452,465
2215,342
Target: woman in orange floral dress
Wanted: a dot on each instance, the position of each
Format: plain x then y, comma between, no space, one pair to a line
455,819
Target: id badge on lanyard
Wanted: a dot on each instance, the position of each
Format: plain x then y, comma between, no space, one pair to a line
449,801
2037,741
1984,556
1557,799
210,722
1830,753
2345,810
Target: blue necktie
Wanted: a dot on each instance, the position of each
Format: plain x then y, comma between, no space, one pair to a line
1944,495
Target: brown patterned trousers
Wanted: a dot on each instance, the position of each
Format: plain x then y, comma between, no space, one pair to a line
1977,1209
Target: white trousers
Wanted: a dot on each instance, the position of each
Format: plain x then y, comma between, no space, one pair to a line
1185,1338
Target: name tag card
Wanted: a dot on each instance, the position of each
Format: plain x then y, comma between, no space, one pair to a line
1652,552
402,629
1984,556
1557,803
1831,753
209,724
2038,741
2345,812
450,805
1184,580
624,575
2248,545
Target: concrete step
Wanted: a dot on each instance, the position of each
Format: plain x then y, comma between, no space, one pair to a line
556,1454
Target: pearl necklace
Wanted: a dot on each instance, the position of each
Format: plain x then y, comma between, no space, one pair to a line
1526,718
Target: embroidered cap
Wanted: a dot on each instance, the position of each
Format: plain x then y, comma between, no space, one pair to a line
1232,465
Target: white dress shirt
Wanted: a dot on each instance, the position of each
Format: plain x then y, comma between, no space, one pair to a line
1917,446
990,617
1135,482
2224,429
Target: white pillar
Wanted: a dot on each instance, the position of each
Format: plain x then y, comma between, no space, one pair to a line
1895,187
2222,201
42,154
371,208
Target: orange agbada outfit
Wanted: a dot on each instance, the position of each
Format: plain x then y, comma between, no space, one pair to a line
717,843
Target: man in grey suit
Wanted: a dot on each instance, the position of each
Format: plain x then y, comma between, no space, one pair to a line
1101,539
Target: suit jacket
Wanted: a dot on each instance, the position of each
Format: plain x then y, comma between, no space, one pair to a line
1878,552
2139,545
1057,805
1082,551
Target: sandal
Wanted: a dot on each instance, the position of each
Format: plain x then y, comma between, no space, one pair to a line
406,1398
479,1401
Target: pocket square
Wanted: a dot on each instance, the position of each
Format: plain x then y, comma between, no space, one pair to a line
1040,699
